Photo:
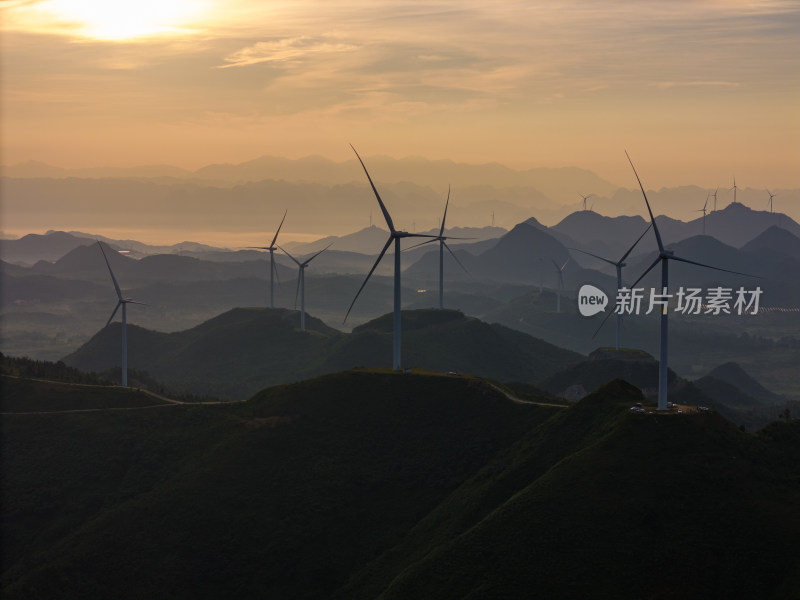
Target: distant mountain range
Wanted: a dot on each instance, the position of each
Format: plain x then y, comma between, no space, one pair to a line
330,198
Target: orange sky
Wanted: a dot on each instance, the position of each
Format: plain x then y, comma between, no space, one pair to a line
697,91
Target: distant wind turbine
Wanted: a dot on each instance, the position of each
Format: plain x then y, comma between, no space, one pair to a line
301,283
734,190
703,210
664,256
618,265
771,196
585,198
394,236
120,302
560,271
442,245
273,269
715,199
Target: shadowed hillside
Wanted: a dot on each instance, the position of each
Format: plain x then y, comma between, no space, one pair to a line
368,484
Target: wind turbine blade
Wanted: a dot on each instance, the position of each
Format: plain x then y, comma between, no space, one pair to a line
279,228
116,308
275,269
297,291
421,244
114,279
441,231
650,268
308,260
290,256
380,256
603,322
699,264
611,262
377,195
128,301
564,265
454,256
649,210
624,256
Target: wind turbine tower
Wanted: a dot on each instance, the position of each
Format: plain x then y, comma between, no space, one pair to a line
442,245
301,283
734,190
560,271
123,302
703,210
273,269
771,196
715,199
618,266
664,256
585,198
394,236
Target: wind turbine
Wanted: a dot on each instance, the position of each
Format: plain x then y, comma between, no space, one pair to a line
715,199
618,265
120,302
301,283
560,271
394,236
273,269
703,210
664,256
771,196
442,245
734,190
585,198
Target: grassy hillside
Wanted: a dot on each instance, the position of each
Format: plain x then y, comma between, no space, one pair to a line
370,484
245,350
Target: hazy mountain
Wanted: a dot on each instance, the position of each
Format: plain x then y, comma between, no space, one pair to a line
33,247
733,374
363,484
238,353
775,239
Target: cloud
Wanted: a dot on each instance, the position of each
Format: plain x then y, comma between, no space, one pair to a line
284,50
671,84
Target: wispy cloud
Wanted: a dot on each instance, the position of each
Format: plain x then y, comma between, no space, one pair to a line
671,84
284,50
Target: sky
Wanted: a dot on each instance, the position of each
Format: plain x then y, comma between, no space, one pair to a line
697,91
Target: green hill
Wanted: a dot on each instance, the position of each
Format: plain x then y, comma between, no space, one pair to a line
245,350
370,484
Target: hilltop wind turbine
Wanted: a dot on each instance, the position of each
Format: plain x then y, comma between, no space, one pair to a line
585,198
301,283
273,269
123,302
664,256
703,210
771,196
734,190
715,199
560,271
394,236
442,245
618,265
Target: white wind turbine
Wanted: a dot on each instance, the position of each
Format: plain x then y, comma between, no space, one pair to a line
618,266
301,283
273,269
771,196
585,198
394,236
123,302
442,245
560,271
704,211
664,256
